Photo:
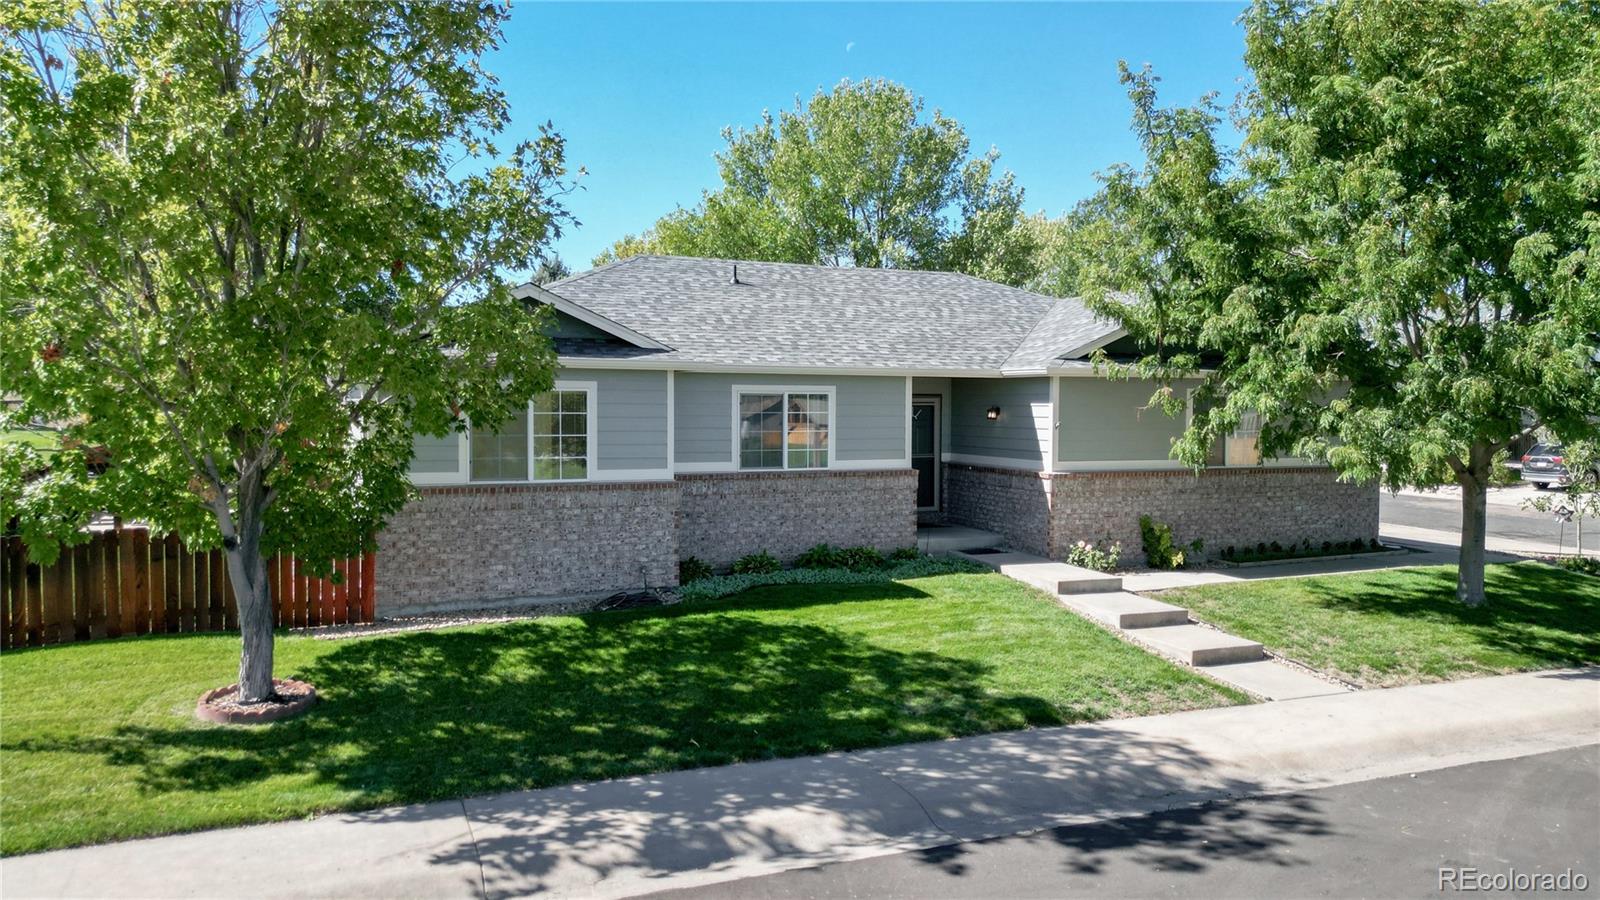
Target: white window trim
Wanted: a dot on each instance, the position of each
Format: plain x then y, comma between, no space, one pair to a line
462,476
832,391
591,418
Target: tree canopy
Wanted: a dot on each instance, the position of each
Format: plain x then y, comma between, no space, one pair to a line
241,256
862,176
1396,270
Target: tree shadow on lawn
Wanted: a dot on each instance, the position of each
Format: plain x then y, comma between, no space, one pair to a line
440,714
1534,610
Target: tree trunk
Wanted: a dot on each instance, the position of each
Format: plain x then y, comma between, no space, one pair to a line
248,572
1474,481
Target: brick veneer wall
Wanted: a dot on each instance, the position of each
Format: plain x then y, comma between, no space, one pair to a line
727,515
1012,503
1222,507
495,545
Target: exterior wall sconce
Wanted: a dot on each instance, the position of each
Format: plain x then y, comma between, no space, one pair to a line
993,413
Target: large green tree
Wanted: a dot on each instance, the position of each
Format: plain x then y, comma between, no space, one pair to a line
858,176
1398,268
241,256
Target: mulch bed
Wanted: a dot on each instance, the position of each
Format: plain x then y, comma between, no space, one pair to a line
221,705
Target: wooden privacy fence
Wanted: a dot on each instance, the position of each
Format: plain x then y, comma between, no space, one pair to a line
126,582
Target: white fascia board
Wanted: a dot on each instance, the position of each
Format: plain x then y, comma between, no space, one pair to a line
1095,344
1091,372
667,362
534,292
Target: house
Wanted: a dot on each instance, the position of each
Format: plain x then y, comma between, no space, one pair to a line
708,408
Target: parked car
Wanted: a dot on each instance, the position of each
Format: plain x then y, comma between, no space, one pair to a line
1545,465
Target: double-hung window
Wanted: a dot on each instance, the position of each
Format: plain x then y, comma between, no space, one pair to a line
782,429
500,454
561,446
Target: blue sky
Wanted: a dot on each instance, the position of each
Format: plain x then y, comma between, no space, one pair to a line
642,91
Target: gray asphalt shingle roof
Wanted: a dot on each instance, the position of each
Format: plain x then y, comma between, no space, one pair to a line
802,316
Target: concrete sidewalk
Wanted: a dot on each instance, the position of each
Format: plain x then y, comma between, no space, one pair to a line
683,829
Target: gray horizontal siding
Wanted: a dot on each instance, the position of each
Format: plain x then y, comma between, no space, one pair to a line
1103,420
1016,434
435,455
869,423
632,427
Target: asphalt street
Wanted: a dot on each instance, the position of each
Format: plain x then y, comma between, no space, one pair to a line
1385,838
1506,517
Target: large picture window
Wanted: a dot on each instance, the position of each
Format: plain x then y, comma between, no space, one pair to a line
561,436
551,440
781,429
501,454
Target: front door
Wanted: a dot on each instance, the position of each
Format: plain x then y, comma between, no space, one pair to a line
925,450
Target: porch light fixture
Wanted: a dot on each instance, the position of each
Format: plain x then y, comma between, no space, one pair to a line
993,413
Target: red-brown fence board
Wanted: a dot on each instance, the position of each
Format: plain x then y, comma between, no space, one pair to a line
80,579
125,582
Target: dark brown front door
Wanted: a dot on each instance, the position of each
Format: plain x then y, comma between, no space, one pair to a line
925,450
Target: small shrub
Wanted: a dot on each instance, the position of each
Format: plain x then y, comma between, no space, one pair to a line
822,556
1500,474
1373,544
1327,546
1228,552
905,554
692,569
1095,556
1584,565
1158,547
1275,547
1261,549
756,564
861,559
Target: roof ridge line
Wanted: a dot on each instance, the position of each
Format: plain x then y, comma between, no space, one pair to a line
597,269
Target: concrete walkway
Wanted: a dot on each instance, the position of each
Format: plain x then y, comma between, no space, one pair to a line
1161,627
677,830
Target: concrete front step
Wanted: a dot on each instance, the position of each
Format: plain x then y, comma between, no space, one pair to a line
1123,610
1198,646
1273,680
954,538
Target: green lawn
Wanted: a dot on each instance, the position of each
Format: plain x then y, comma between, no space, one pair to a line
39,439
1404,626
98,740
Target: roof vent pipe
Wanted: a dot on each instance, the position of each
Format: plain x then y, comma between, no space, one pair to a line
735,279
